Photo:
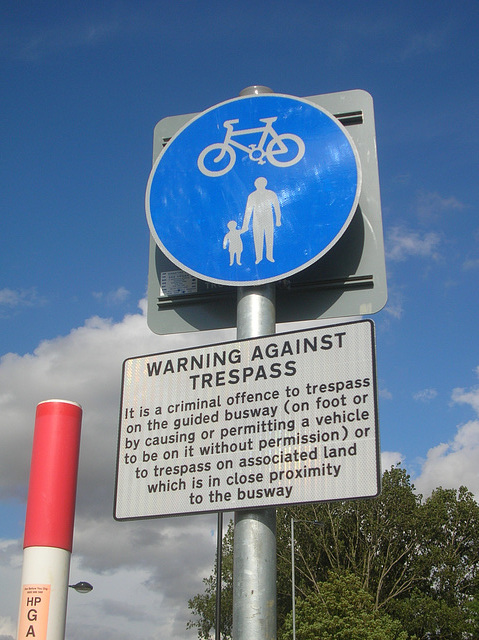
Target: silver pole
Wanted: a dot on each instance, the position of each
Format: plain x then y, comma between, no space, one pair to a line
254,553
219,562
292,579
254,559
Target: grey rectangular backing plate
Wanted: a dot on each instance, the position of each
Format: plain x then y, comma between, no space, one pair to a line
349,280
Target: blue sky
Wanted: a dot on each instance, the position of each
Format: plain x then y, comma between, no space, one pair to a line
83,85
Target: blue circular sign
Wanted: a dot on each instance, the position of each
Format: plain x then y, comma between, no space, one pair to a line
253,190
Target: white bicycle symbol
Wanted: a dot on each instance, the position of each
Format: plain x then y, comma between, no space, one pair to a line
278,146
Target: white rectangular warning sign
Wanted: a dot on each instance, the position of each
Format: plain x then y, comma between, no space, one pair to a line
278,420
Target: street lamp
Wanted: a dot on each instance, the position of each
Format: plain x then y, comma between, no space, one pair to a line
315,522
81,587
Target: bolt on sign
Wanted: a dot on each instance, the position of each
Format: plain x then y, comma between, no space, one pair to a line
277,420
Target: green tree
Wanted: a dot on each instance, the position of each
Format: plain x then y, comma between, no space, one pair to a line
340,609
376,539
203,605
451,533
445,604
418,560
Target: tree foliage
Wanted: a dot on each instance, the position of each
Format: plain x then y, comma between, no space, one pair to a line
203,605
374,539
340,609
417,560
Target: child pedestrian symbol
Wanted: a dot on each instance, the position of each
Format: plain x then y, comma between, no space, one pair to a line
233,239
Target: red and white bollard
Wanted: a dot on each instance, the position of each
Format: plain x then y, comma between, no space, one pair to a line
49,521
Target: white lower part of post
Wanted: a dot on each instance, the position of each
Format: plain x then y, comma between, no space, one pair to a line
44,593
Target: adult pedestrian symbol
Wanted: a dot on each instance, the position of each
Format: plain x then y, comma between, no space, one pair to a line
253,190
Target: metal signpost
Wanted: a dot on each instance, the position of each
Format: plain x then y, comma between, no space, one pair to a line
272,196
254,550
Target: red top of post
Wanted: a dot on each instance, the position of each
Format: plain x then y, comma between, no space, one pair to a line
53,475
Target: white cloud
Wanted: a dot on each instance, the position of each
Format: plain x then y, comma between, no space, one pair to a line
161,562
470,263
13,298
425,395
7,627
37,43
402,244
454,463
471,397
431,206
394,306
425,43
391,459
385,393
10,570
117,296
